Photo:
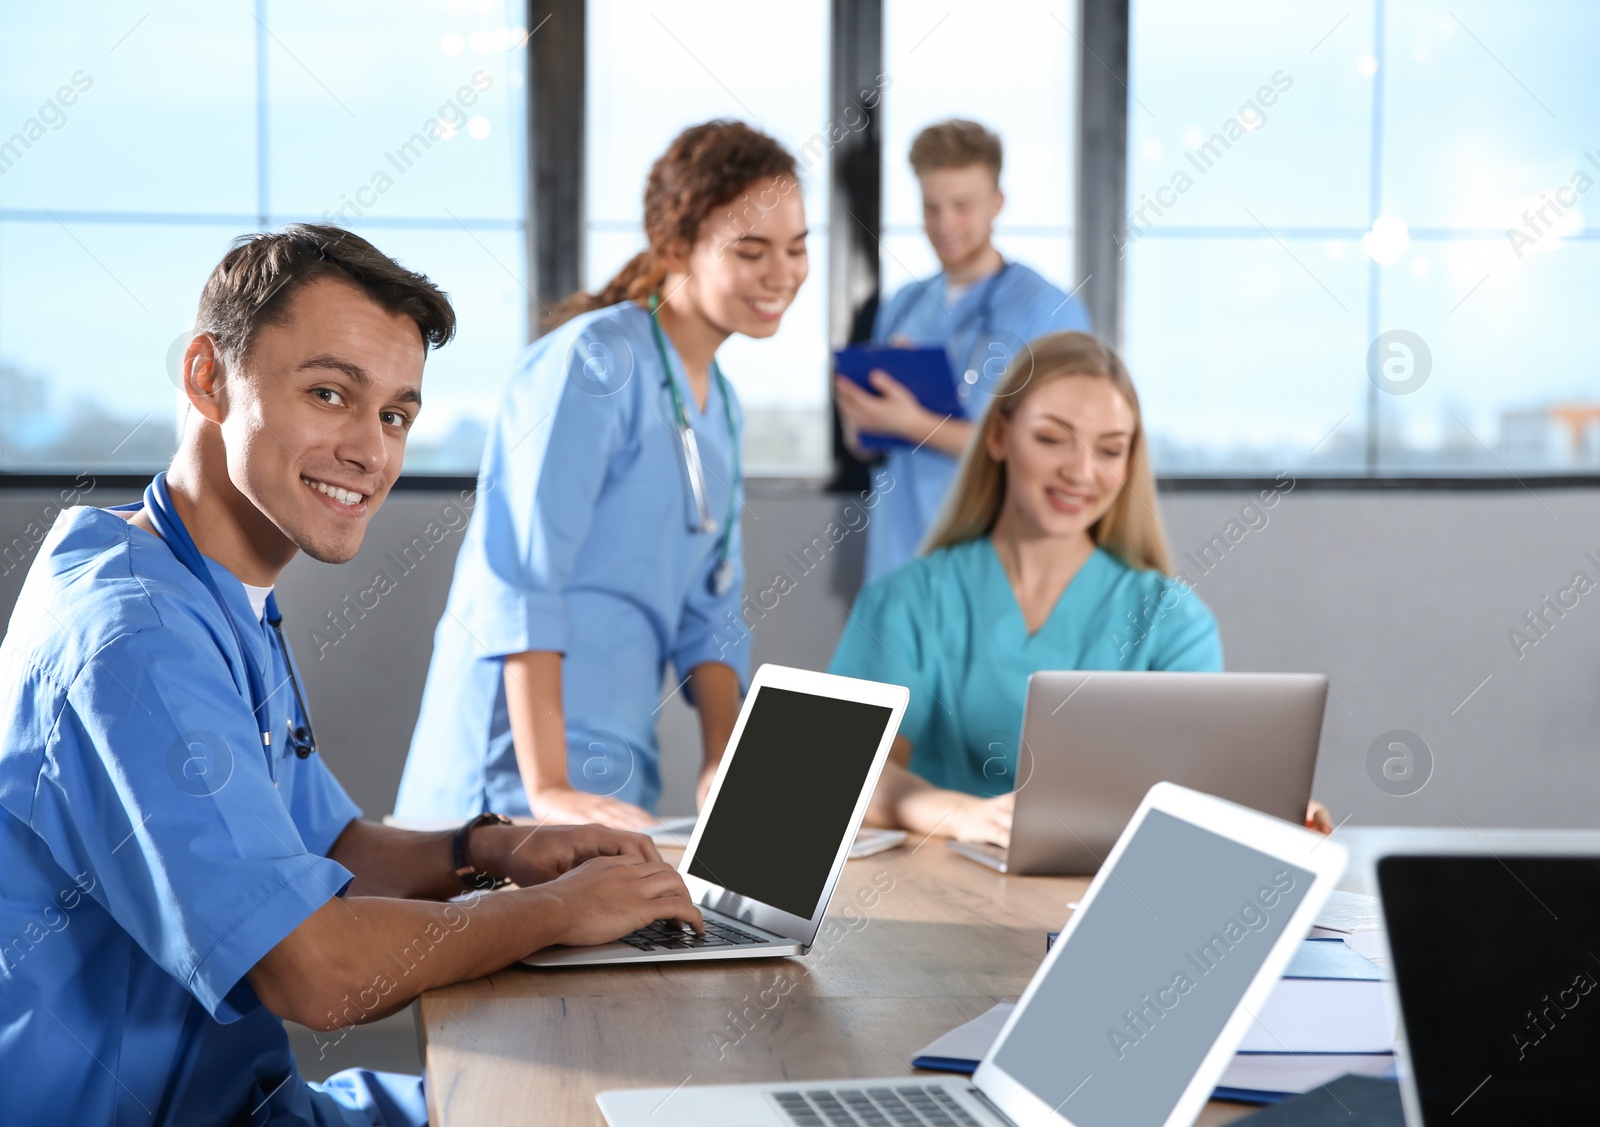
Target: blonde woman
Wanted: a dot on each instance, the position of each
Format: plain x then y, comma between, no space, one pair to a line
1048,555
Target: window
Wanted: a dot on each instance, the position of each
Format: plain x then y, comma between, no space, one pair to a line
654,69
1357,236
133,149
1012,66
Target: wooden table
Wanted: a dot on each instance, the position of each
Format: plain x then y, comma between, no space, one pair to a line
915,942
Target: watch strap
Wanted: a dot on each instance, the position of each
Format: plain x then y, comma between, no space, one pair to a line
470,876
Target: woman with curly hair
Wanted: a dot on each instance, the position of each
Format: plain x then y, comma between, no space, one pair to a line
604,542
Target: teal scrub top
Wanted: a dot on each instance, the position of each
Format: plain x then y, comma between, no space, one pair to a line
947,626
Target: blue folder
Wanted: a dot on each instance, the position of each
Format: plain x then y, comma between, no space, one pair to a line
926,372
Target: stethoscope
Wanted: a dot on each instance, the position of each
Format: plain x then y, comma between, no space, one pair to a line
170,527
985,325
722,575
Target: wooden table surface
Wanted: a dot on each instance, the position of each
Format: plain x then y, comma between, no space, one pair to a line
914,943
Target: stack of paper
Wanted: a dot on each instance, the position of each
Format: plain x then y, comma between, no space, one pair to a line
1356,919
1328,1016
1260,1078
1330,1000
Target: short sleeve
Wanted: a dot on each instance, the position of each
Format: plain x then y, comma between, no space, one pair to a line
319,805
883,641
154,782
1185,632
559,426
1052,312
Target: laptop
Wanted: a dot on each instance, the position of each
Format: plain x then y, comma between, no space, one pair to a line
778,823
1093,743
1133,1014
1496,968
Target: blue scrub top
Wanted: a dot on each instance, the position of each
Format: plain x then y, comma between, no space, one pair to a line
981,332
947,626
580,543
154,850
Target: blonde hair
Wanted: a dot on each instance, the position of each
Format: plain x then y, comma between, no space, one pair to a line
1130,530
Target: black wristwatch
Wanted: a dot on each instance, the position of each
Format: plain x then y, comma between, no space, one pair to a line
473,878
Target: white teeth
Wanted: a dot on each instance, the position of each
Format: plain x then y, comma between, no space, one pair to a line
768,306
343,496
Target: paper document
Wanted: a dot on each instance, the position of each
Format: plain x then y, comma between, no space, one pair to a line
1330,1000
960,1049
1269,1077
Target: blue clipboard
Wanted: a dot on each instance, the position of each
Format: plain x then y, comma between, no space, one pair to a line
925,371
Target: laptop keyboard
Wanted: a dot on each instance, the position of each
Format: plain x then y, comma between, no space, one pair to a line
910,1106
670,935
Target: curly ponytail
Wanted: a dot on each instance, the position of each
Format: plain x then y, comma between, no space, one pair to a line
705,167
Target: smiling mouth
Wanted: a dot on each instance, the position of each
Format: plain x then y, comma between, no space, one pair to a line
1065,499
345,497
769,308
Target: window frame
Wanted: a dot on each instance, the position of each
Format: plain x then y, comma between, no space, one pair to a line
553,229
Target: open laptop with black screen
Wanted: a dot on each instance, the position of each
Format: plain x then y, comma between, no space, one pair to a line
1133,1014
1496,965
788,798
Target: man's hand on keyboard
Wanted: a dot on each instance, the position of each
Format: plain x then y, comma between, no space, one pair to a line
531,855
608,897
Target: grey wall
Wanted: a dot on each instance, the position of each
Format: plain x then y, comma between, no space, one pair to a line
1403,598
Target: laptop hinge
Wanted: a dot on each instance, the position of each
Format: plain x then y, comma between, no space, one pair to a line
977,1094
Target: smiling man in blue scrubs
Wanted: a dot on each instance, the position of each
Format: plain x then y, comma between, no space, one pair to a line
181,869
981,308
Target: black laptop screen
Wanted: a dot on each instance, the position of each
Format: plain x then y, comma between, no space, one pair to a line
785,803
1497,962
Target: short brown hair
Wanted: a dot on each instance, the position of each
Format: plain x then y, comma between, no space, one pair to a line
253,283
956,144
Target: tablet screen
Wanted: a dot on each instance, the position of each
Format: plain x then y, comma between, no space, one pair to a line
1153,971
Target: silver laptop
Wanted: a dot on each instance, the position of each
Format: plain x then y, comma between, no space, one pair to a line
778,822
1133,1014
1093,743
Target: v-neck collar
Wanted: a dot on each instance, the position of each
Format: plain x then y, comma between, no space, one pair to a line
993,560
678,373
973,292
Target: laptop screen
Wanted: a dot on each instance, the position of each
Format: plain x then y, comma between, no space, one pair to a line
1496,961
785,803
1151,974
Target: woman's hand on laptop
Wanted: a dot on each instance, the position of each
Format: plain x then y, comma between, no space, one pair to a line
605,898
1318,818
567,806
907,801
985,820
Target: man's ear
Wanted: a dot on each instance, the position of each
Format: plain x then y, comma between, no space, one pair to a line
203,376
999,204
